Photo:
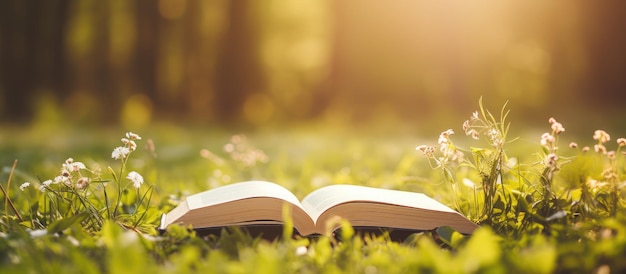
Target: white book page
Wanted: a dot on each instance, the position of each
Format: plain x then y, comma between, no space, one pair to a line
240,191
324,198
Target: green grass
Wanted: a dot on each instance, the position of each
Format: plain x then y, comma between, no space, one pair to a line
520,232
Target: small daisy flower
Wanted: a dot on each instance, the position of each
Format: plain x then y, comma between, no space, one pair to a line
61,179
45,184
474,116
132,145
611,154
621,142
551,160
24,186
601,136
71,166
133,136
135,178
556,126
120,153
547,140
82,183
428,151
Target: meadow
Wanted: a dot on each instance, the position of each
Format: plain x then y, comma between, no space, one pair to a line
89,200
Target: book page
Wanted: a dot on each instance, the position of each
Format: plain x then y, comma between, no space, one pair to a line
239,191
324,198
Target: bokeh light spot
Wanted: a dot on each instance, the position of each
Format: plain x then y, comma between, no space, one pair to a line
137,112
258,108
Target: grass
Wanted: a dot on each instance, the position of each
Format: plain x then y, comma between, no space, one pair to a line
537,217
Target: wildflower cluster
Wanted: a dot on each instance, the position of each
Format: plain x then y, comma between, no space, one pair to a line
122,152
549,141
69,193
487,162
608,183
449,153
475,126
71,175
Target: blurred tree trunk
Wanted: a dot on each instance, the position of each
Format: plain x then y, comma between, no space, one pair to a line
330,85
238,69
31,54
104,83
606,83
145,55
16,58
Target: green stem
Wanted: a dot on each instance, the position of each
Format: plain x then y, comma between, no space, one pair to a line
7,200
141,201
119,184
106,202
88,206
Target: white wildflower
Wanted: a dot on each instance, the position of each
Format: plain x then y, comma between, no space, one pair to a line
466,126
601,136
133,136
132,145
474,116
444,137
24,186
78,166
551,161
428,151
594,185
61,179
495,137
120,153
71,166
547,140
557,127
136,178
621,142
45,184
82,183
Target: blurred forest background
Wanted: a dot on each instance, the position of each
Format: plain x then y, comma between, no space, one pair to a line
271,62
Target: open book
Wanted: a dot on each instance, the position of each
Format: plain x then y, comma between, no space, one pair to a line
260,203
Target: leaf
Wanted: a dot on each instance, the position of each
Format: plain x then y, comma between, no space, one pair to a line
65,223
522,204
577,194
449,236
483,249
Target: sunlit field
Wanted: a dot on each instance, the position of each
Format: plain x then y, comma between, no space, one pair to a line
543,206
113,112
